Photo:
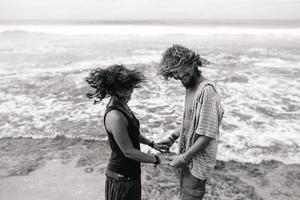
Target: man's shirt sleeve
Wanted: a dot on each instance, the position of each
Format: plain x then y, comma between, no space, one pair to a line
209,113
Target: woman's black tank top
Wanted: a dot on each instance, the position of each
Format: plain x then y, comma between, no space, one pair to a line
118,162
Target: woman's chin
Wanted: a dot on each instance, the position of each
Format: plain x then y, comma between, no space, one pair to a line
127,100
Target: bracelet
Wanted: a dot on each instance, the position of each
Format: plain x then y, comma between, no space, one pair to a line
171,138
184,160
151,144
175,137
157,160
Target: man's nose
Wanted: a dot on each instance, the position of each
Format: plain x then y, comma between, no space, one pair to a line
180,76
175,76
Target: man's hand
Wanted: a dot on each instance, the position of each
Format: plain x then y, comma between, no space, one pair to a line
178,161
164,160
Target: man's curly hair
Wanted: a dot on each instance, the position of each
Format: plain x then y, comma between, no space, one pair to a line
112,79
176,58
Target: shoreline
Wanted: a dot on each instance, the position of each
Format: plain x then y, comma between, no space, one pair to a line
74,168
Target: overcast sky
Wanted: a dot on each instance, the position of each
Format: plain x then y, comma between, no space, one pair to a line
149,9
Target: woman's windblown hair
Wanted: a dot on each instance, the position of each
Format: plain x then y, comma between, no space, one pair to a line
176,58
107,82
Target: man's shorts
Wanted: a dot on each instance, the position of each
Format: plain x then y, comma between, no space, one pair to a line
191,188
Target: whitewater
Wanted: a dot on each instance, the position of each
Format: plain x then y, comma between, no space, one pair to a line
256,69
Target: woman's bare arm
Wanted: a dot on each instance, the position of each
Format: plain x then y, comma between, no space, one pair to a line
116,123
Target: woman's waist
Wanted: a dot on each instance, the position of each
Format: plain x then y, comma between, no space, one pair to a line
118,176
131,170
123,161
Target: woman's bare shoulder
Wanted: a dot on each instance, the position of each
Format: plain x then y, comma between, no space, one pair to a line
115,116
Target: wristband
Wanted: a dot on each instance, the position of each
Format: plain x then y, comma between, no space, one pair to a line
151,144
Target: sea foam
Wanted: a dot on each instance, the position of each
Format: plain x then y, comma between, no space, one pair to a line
42,90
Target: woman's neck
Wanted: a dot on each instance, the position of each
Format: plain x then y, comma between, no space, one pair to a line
121,104
118,101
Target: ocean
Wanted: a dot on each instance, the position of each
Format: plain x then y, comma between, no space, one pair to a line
255,64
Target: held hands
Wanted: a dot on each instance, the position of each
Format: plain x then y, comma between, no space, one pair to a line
174,161
164,160
178,161
159,147
167,142
163,146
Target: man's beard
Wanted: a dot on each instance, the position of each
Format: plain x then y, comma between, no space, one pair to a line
190,83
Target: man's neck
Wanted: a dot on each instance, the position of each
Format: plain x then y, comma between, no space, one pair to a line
199,80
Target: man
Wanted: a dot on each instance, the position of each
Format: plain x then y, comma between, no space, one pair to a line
201,120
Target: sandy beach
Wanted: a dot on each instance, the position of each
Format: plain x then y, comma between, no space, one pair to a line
62,168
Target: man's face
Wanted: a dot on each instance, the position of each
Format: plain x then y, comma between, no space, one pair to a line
187,76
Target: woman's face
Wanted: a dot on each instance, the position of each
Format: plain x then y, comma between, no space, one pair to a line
125,94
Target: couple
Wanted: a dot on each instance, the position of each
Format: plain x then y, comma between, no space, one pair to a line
198,135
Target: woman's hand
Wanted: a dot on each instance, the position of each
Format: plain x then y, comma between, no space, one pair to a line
167,143
160,147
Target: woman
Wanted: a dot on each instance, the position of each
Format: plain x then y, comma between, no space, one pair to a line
123,172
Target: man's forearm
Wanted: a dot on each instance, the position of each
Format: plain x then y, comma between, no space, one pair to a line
200,144
177,133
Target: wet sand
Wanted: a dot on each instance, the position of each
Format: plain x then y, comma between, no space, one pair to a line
61,168
54,181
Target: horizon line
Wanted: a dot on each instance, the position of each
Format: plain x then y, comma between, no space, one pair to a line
141,21
150,20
